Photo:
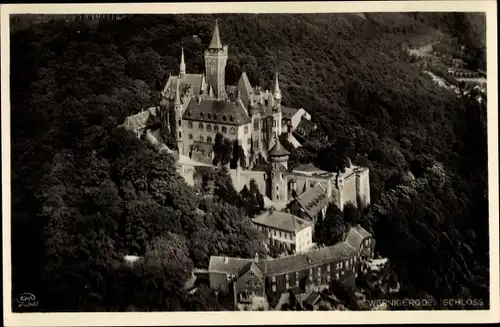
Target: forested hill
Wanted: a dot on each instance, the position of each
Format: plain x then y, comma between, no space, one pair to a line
85,194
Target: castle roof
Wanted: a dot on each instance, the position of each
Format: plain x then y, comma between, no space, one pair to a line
356,235
142,120
193,80
227,265
309,259
313,200
215,43
282,221
305,127
246,83
217,111
278,150
255,268
278,266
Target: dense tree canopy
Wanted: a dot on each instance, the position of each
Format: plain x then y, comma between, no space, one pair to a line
85,193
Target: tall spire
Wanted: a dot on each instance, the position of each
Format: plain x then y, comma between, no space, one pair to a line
215,44
183,63
277,91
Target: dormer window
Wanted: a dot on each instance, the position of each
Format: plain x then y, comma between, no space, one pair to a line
215,116
209,116
224,118
231,118
201,114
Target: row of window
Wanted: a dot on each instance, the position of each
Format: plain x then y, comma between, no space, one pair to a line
252,283
215,128
339,266
201,138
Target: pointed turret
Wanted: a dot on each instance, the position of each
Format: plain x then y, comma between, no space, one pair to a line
277,91
216,43
182,65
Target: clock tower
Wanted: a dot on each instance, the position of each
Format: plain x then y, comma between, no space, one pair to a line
215,64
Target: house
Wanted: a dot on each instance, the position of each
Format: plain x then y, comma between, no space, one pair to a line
310,271
285,230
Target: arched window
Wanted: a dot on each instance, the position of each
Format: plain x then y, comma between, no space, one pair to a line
209,116
190,136
200,125
231,118
246,129
224,118
209,139
179,122
216,128
233,131
201,138
224,129
209,128
180,135
190,124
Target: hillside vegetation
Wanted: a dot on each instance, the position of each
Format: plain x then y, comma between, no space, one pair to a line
84,194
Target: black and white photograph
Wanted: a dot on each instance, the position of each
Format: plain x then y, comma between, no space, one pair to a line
240,161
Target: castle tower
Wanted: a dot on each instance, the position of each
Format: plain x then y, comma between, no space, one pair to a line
182,67
215,64
278,161
178,119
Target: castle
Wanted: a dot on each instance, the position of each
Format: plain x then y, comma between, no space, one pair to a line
198,108
195,108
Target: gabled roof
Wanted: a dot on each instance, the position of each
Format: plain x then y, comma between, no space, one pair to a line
254,267
313,200
227,265
279,266
304,128
193,80
356,235
217,111
282,221
309,259
142,120
245,82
